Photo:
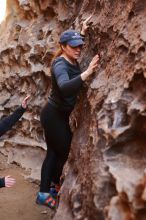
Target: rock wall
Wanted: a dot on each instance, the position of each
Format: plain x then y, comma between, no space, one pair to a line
105,175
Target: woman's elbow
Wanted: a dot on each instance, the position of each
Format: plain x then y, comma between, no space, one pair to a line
65,91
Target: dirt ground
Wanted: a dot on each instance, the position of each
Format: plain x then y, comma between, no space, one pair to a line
18,202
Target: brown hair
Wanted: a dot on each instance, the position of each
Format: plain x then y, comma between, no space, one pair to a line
58,52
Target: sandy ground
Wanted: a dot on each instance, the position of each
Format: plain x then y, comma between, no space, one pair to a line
18,202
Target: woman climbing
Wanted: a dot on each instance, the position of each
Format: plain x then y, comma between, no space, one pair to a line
5,125
67,80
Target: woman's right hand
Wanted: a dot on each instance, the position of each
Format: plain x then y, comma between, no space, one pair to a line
91,68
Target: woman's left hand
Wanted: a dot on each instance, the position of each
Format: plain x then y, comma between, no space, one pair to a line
86,25
24,102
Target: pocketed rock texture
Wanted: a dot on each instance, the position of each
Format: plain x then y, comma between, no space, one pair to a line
105,176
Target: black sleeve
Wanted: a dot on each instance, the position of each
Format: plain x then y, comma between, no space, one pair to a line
2,182
7,123
67,86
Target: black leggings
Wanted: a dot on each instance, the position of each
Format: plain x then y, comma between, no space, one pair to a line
58,137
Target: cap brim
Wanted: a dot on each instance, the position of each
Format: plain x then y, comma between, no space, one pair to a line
75,42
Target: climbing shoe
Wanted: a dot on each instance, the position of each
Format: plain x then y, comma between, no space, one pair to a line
46,199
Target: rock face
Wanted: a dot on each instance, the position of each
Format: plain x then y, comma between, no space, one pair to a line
105,172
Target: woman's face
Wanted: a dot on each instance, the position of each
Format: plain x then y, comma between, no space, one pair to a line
72,52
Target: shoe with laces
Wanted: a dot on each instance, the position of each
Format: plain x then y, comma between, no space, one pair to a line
46,199
54,190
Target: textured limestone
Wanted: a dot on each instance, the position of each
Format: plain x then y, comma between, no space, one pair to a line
105,173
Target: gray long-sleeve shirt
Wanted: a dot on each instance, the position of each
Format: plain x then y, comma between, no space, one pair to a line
66,83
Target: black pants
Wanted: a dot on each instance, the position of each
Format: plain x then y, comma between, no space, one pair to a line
58,138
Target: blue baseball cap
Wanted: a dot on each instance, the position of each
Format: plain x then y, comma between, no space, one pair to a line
72,38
